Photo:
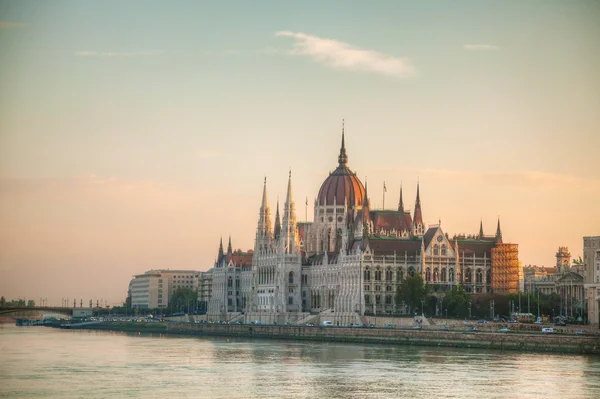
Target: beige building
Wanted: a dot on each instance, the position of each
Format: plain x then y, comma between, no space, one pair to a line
562,279
591,260
154,288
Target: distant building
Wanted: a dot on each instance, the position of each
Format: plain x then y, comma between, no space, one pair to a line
154,288
591,261
562,279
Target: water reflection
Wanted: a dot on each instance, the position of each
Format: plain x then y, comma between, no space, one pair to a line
38,361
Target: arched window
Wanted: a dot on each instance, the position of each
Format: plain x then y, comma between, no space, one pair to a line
291,278
451,275
468,276
444,274
230,282
444,250
411,271
388,274
428,275
400,275
436,250
479,276
367,275
377,275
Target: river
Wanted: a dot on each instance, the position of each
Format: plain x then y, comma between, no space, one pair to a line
42,362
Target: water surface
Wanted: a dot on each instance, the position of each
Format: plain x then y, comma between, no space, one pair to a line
42,362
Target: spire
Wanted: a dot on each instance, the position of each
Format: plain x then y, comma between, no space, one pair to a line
401,202
289,234
220,251
343,158
418,218
277,231
229,249
263,229
481,228
498,233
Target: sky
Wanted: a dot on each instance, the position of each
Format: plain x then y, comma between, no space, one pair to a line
134,135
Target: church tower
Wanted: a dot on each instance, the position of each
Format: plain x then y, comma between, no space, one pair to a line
563,260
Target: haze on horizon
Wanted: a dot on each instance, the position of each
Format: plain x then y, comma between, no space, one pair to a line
133,135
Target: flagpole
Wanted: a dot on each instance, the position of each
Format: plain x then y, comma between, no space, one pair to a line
384,190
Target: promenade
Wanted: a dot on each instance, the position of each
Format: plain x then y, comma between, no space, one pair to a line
513,340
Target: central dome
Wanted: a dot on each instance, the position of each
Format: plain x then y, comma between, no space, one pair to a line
342,186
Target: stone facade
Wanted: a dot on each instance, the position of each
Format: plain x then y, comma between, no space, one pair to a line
351,259
591,260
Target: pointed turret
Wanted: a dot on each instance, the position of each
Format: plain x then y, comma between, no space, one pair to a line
418,227
343,158
498,233
401,201
264,233
481,228
277,231
366,217
229,250
289,234
264,218
221,253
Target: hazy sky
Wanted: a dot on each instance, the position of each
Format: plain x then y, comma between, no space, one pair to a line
133,135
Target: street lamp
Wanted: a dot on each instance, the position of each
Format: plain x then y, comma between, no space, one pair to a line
446,315
469,309
422,314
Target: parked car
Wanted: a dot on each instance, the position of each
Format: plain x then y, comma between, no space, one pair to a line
579,332
481,321
417,327
389,326
444,328
504,329
547,330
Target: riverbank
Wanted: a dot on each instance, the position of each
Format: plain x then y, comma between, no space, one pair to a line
534,342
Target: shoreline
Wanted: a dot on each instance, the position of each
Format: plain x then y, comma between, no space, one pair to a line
514,341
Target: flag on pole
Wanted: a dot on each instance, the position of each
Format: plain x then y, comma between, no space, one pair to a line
384,188
306,201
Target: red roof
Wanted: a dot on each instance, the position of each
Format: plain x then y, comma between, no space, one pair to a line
342,186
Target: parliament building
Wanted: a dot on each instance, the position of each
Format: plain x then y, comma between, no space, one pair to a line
351,258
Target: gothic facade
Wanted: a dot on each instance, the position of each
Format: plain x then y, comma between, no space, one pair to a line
351,258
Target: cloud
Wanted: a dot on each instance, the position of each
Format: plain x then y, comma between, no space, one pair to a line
117,54
480,47
339,55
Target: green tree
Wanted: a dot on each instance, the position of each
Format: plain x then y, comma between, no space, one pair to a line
3,301
31,303
411,292
183,299
457,302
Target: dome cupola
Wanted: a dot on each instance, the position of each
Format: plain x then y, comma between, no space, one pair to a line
342,185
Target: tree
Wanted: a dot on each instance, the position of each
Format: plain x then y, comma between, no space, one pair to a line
456,301
31,303
3,301
183,299
411,292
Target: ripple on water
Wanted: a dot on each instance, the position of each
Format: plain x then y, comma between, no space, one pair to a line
73,364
